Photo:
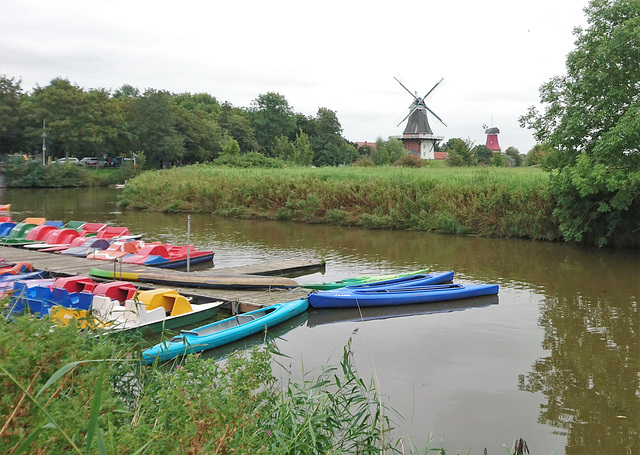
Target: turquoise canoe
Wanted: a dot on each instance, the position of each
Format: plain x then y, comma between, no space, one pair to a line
223,332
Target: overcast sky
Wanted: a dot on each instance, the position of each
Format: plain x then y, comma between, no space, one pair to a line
342,55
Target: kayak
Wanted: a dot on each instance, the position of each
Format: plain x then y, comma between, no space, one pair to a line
223,332
381,295
359,280
420,279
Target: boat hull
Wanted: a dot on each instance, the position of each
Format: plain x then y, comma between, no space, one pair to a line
224,332
349,298
217,281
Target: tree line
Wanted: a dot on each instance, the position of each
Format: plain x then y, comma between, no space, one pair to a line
188,128
169,128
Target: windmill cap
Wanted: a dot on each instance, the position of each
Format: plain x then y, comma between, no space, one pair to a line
492,130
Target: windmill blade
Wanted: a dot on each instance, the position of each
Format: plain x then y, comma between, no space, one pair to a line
432,89
409,115
405,89
434,114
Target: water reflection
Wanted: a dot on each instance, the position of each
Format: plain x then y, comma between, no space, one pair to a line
591,377
557,362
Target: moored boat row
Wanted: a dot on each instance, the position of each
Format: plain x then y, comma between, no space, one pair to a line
97,241
121,305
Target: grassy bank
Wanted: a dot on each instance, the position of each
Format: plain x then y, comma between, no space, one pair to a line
65,391
471,201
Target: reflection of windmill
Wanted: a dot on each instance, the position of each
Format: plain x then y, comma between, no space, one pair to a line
417,136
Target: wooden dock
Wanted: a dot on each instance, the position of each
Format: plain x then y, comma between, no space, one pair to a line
244,300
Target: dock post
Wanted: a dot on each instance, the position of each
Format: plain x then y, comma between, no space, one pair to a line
188,241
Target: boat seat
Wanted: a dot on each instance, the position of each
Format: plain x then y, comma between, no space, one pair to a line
34,220
6,227
244,318
62,316
181,305
75,283
156,298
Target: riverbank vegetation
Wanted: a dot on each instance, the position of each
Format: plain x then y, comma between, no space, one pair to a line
65,391
21,173
477,201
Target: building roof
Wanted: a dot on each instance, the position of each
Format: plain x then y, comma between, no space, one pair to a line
366,144
418,123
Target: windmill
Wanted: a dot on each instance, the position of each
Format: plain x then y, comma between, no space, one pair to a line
492,137
417,137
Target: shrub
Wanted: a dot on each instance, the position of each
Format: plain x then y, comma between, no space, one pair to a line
409,161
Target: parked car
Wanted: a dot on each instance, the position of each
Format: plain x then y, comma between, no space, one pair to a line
70,160
120,160
89,161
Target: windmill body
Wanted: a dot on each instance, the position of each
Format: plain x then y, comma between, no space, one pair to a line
492,138
417,137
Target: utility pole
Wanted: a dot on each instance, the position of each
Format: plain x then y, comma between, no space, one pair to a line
44,145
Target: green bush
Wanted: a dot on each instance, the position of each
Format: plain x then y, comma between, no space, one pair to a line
409,160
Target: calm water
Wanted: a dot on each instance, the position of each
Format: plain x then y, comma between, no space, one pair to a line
555,359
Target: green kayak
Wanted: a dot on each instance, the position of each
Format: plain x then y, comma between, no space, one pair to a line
359,280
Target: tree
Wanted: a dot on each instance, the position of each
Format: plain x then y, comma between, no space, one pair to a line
283,148
236,124
591,118
396,149
303,153
513,153
484,155
459,152
271,117
379,154
231,148
78,122
537,154
11,124
330,148
155,127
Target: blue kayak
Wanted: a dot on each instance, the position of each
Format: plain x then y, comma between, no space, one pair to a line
223,332
420,279
389,295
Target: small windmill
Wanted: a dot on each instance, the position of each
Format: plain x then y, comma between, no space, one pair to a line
492,137
417,136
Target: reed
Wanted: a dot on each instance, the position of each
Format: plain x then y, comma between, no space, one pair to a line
470,201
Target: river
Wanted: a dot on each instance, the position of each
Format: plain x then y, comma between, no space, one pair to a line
555,359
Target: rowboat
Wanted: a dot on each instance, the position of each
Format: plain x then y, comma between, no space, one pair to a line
212,281
359,280
379,296
223,332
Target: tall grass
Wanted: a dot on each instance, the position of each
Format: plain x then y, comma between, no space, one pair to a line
470,201
65,391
